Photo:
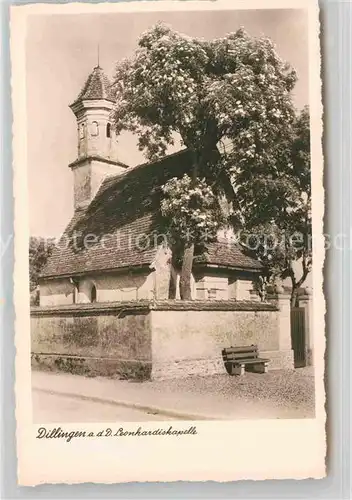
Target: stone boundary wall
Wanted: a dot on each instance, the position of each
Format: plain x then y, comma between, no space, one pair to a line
188,339
156,339
93,339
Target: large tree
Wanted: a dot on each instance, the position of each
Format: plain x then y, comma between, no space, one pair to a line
234,89
276,211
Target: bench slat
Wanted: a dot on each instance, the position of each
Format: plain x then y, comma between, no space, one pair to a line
240,349
249,361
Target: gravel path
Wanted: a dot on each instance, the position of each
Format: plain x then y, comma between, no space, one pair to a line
284,388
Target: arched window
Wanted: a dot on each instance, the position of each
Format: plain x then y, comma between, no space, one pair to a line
75,290
108,130
93,294
95,128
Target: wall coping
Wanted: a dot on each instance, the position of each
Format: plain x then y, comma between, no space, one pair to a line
145,306
213,305
91,309
278,296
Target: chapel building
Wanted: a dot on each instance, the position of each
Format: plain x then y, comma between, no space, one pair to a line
113,249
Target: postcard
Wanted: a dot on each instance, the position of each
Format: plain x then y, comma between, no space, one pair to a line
169,203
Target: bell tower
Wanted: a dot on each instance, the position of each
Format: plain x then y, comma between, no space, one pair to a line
96,140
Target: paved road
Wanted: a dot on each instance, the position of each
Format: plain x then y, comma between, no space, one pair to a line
49,408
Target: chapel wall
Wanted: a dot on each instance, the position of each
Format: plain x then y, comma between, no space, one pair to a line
162,274
152,284
82,185
212,287
99,171
240,288
222,285
56,292
109,288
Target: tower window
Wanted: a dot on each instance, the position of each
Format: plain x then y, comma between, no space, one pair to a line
95,128
108,130
81,131
93,294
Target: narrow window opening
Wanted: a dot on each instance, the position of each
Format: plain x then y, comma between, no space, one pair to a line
74,294
108,130
93,294
95,128
81,131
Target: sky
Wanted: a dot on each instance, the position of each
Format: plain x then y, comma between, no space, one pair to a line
61,51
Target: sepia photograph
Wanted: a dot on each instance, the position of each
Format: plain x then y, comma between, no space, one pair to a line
170,215
169,202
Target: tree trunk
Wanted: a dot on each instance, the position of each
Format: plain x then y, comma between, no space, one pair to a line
294,289
188,250
173,279
186,272
294,294
296,285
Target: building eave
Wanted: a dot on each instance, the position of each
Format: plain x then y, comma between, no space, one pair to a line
79,274
84,104
91,158
223,267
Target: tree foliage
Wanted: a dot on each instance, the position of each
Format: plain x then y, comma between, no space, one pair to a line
277,213
235,87
39,251
233,91
191,208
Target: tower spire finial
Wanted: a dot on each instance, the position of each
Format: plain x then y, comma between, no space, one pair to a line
98,65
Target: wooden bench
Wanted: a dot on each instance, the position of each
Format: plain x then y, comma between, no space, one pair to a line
237,359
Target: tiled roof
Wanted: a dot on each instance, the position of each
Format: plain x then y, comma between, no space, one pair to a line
124,217
97,86
228,254
124,212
